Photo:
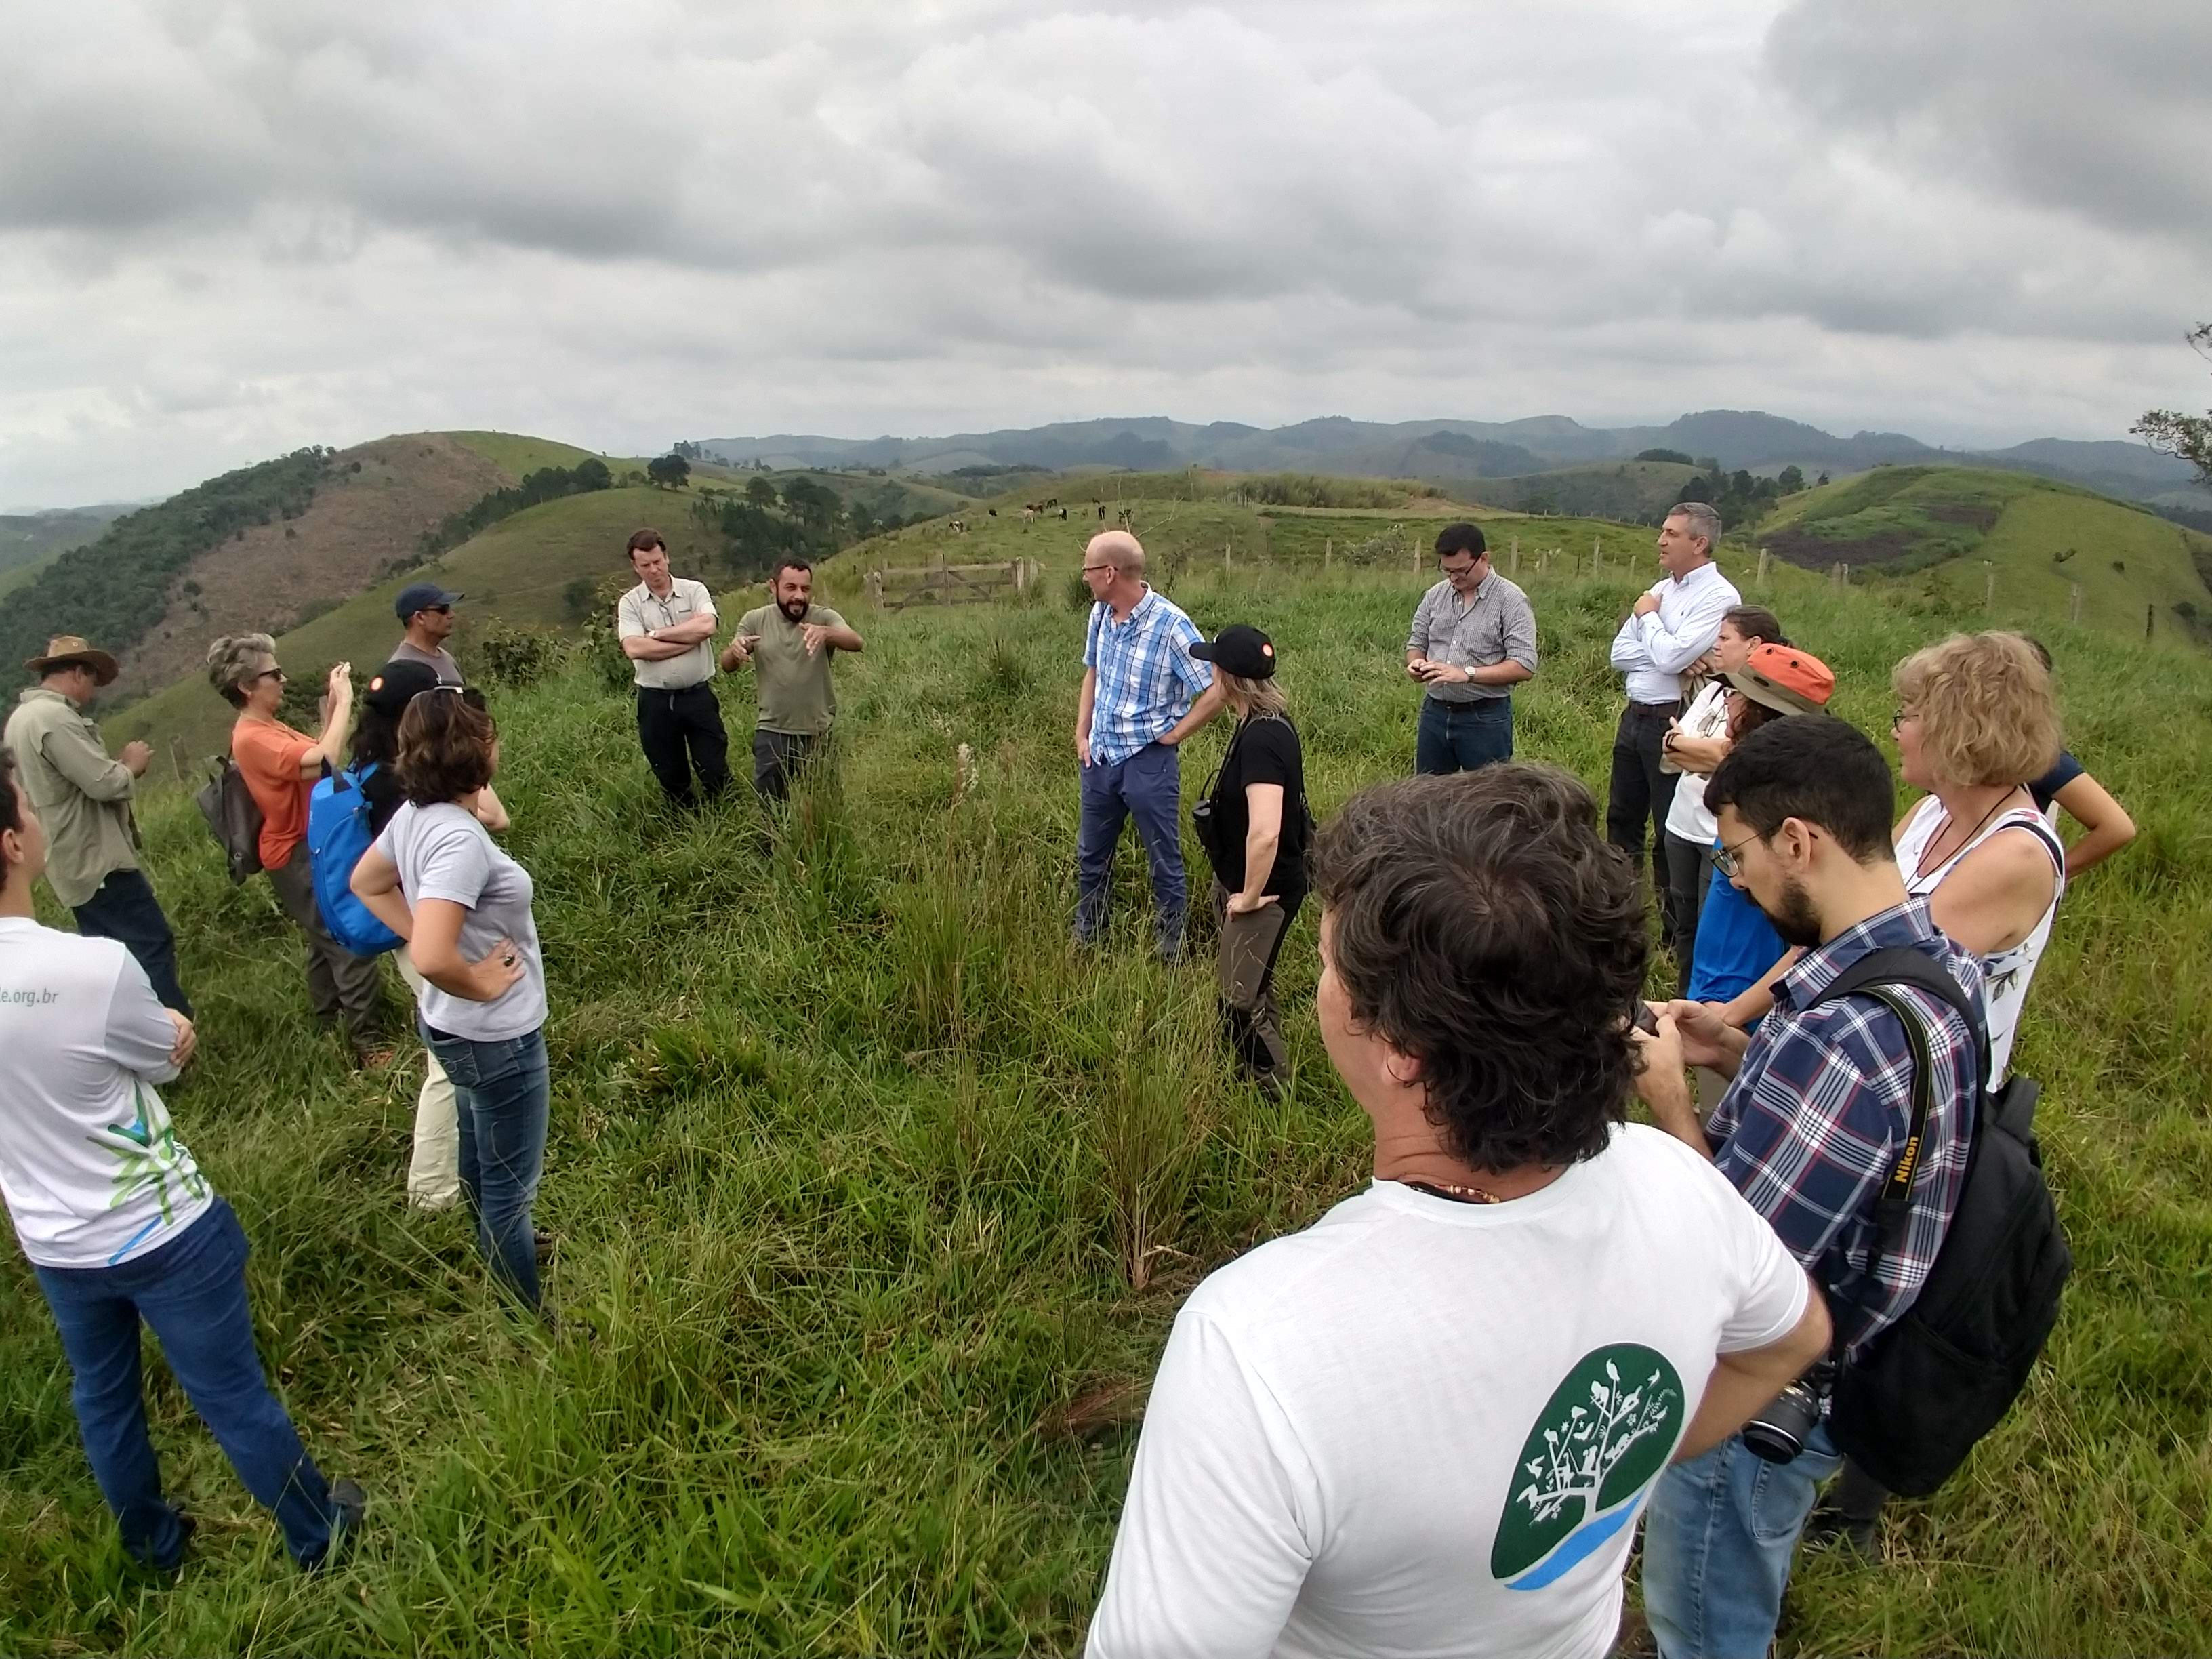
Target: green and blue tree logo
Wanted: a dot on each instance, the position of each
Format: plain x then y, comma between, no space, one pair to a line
1600,1442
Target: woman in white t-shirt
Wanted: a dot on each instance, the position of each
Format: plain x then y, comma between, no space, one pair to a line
1976,719
436,878
1692,746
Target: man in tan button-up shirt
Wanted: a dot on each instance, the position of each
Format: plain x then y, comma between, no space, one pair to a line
82,794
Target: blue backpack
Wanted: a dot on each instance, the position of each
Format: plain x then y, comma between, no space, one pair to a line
337,835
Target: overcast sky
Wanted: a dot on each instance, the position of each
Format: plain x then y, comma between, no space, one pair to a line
230,228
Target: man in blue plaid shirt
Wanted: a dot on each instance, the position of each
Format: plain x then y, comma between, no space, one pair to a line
1143,693
1809,1131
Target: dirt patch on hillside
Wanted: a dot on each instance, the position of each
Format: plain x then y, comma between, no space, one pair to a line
278,575
1819,552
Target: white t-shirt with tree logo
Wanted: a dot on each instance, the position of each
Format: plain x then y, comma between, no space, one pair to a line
1426,1427
93,1172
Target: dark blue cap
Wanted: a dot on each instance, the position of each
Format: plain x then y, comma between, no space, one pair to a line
422,596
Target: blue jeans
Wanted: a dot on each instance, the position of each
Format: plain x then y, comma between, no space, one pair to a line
1462,736
1718,1545
501,1095
1147,786
124,908
191,1291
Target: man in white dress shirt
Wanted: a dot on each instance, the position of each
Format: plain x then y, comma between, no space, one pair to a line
1671,627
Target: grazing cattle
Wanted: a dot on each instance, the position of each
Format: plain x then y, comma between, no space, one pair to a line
1124,517
1063,515
959,526
994,511
1051,501
1028,514
1101,506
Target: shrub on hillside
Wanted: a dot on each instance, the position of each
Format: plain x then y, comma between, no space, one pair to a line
602,645
516,657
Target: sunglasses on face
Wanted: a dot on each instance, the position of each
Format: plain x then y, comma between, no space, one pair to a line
276,674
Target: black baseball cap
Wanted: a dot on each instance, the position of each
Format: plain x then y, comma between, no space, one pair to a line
1241,650
399,683
422,596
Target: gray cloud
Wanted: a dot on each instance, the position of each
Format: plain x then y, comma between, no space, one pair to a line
227,229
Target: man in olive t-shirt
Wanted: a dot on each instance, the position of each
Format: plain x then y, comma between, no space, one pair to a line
789,643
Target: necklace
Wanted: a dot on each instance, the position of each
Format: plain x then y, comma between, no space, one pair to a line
1453,1191
1935,840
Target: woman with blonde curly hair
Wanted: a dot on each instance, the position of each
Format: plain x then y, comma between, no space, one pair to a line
1976,719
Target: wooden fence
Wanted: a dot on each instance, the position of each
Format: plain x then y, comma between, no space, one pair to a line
899,586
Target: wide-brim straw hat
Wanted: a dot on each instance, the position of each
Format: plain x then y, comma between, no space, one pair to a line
66,648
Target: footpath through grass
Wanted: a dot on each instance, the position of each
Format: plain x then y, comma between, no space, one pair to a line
856,1174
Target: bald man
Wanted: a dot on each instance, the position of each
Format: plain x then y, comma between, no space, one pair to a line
1143,693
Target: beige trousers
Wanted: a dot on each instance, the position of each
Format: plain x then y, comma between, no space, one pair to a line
433,1172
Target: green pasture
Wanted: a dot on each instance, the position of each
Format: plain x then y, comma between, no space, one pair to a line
862,1183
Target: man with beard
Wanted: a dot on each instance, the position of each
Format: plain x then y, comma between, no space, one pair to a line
1817,1117
790,644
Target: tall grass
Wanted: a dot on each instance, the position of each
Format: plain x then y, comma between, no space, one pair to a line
869,1192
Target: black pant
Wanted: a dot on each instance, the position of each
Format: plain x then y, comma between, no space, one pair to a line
1642,792
778,758
679,730
124,908
1689,872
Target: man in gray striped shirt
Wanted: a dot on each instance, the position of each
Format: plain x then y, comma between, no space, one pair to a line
1473,639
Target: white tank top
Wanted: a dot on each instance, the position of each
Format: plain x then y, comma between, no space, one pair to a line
2006,973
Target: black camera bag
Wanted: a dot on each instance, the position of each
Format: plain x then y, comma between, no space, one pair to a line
1909,1409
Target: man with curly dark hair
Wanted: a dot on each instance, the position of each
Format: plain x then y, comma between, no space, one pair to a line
1427,1422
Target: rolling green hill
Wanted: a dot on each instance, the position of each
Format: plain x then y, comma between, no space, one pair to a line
518,572
1953,528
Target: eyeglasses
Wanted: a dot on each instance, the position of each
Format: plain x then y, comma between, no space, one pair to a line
1093,569
268,674
1898,717
1725,859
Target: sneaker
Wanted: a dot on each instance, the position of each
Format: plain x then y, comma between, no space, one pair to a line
349,1506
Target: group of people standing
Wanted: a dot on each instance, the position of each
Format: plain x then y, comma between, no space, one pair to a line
1432,1352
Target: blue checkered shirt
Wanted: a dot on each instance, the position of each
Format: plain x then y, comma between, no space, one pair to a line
1147,679
1821,1104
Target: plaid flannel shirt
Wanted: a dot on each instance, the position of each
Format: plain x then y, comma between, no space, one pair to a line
1147,679
1821,1104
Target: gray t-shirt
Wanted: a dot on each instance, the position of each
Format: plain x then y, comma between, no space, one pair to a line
439,661
442,852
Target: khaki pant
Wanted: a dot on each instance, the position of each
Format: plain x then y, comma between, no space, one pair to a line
1250,946
433,1172
342,988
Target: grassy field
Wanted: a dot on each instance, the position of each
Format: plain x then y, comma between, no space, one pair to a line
856,1174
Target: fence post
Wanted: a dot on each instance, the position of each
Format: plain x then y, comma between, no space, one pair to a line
876,589
1988,584
1417,555
2150,616
1515,568
1597,554
1228,563
1327,550
1762,566
2073,608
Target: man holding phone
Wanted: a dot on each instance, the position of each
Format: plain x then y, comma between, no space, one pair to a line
1473,639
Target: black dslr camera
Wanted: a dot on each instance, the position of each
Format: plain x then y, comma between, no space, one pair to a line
1779,1433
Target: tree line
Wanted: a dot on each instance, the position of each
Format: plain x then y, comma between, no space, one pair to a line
114,590
548,483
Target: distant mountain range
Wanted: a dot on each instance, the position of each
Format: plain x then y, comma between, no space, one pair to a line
1738,439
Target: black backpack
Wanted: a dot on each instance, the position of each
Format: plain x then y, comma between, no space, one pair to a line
233,816
1909,1409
